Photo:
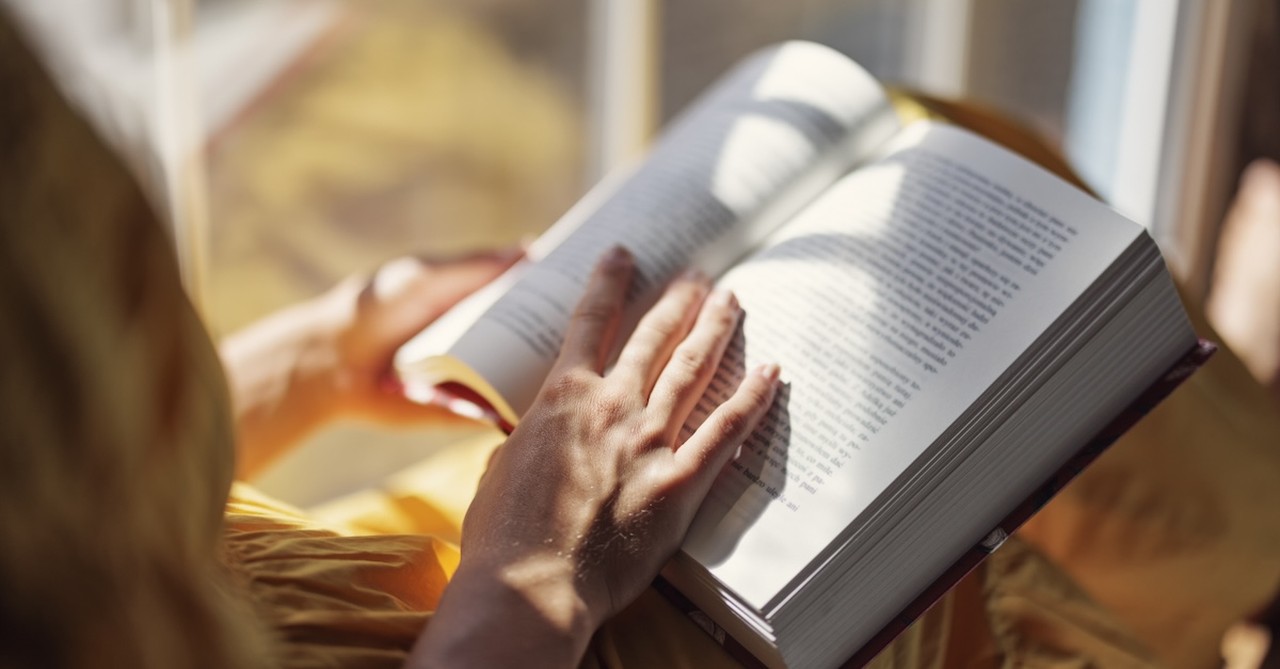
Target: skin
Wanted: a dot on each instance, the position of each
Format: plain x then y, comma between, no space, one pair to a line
590,495
593,493
1244,305
330,357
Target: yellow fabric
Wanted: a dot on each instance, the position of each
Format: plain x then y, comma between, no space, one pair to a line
1018,610
1175,528
333,600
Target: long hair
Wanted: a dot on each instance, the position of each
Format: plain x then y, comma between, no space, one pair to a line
115,432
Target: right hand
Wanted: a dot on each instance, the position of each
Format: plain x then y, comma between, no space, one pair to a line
593,492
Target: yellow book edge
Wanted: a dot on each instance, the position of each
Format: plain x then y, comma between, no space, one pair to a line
446,381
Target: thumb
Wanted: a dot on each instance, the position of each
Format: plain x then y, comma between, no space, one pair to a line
449,281
408,294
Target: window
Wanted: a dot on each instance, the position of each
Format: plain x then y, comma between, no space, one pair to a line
297,141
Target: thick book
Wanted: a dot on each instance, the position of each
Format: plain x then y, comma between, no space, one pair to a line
955,327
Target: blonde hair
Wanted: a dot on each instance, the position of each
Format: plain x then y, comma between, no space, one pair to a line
115,433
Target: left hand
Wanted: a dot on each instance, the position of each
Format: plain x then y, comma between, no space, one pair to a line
379,314
331,356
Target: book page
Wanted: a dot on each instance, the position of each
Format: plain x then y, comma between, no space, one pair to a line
783,126
891,303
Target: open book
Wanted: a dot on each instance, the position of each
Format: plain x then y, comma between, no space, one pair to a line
953,325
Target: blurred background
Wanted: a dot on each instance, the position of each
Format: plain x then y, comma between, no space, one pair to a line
294,142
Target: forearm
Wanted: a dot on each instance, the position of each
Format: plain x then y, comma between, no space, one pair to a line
283,382
530,615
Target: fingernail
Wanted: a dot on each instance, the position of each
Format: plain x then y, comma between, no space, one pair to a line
616,256
723,297
769,371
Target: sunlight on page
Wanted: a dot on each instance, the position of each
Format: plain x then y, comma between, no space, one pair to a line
780,87
762,143
797,282
743,191
810,84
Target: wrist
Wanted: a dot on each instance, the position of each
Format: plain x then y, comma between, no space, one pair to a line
285,380
526,613
551,586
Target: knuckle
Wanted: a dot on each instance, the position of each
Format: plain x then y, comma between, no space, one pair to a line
592,310
692,361
613,268
726,318
653,434
612,408
733,423
760,393
737,418
656,329
567,384
701,459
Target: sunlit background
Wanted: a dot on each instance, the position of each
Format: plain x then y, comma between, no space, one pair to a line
293,142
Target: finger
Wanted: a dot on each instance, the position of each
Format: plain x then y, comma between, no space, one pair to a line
407,294
707,450
451,280
694,361
661,330
595,321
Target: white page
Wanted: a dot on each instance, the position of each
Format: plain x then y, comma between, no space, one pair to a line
782,127
871,381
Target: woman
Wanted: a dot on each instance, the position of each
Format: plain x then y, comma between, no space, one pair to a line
126,544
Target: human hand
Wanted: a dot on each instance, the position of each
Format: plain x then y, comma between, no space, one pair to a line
593,492
377,315
331,356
